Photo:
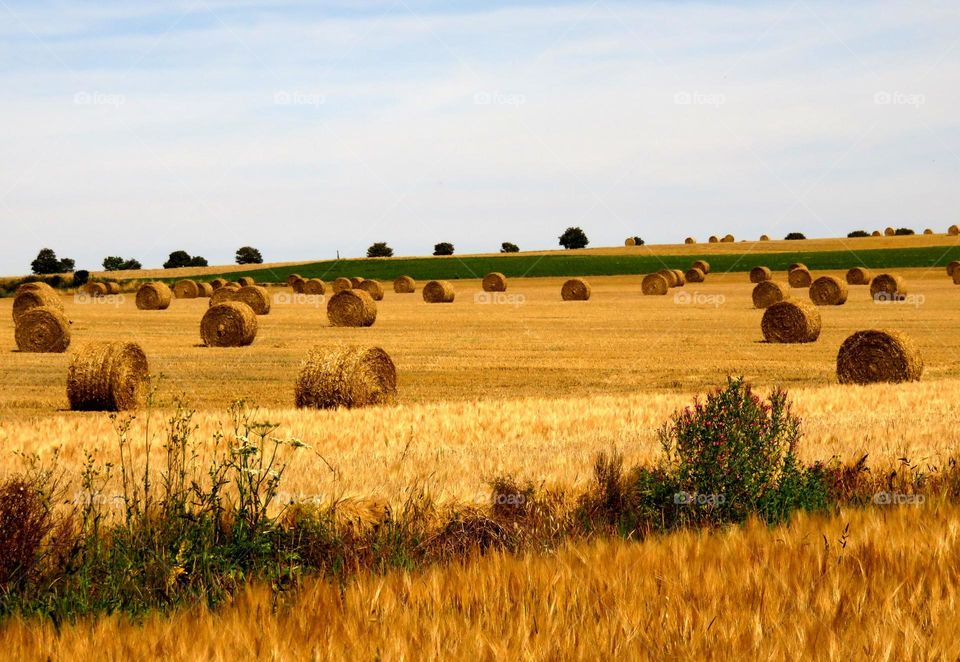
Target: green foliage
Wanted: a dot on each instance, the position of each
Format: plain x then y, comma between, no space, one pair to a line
80,277
507,247
116,263
794,236
903,232
574,238
180,259
248,255
443,248
46,262
379,249
858,233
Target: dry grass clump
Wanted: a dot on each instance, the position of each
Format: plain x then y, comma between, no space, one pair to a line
256,297
727,239
341,284
217,283
107,376
351,308
44,329
829,291
355,281
859,276
312,286
575,289
799,277
28,299
230,324
769,292
439,291
346,376
494,282
246,281
694,275
404,285
630,241
760,274
154,296
373,288
954,230
713,239
204,290
654,284
96,289
689,240
670,276
952,267
878,356
702,265
186,289
292,277
888,287
791,322
299,285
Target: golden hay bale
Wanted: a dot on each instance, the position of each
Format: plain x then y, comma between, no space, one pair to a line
760,274
876,233
655,284
256,297
312,286
728,239
217,283
43,329
113,288
35,285
204,290
859,276
107,376
299,285
351,308
791,322
799,277
829,291
956,276
341,284
373,288
713,239
681,279
439,291
224,294
629,242
30,298
796,265
702,265
154,296
293,277
764,237
889,232
952,267
878,356
404,285
346,376
186,289
769,292
694,275
355,281
670,276
246,281
928,231
230,324
575,289
494,282
954,230
689,240
96,289
888,287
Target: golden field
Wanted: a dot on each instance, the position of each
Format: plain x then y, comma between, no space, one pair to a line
877,585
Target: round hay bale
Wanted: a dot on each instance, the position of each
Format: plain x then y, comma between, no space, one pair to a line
355,281
670,276
373,288
351,308
629,242
952,267
107,376
113,288
43,329
702,265
313,286
404,285
796,265
35,285
154,296
224,294
246,281
655,284
791,322
256,297
186,289
204,290
494,282
728,239
230,324
95,289
889,232
299,285
217,283
888,287
346,376
341,284
234,284
30,298
769,292
694,275
293,277
859,276
764,237
956,276
439,291
689,240
575,289
876,233
829,291
799,277
713,239
760,274
681,279
876,355
928,231
954,230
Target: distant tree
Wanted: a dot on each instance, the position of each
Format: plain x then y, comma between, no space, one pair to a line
47,263
443,248
197,261
904,231
794,236
179,259
637,241
507,247
248,255
379,249
858,233
574,238
116,263
80,277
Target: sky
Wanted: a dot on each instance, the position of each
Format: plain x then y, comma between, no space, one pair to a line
311,128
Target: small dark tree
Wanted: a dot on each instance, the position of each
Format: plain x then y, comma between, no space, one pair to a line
637,241
858,233
116,263
197,261
47,263
794,236
507,247
380,249
80,277
249,255
574,238
443,248
67,265
177,259
904,231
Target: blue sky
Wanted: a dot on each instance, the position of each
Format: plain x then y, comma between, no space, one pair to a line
304,128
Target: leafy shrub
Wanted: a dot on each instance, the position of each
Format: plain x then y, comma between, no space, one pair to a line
379,249
793,236
180,259
507,247
858,233
80,277
117,263
248,255
574,238
904,232
443,248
